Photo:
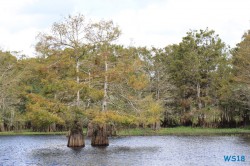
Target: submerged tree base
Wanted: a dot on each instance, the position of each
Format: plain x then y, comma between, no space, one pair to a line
100,136
76,138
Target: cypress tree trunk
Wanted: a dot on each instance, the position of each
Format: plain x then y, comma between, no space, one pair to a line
2,127
199,96
77,81
100,132
156,126
90,130
100,137
105,88
110,130
76,138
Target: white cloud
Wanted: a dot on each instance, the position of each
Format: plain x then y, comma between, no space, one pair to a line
166,23
22,41
16,32
143,22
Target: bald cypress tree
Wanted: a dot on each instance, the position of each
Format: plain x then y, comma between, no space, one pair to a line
241,89
192,66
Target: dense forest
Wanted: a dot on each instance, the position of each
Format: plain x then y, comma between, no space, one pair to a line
81,78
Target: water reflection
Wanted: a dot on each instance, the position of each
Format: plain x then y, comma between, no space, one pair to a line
155,150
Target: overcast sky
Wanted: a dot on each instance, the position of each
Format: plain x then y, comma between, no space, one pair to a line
143,22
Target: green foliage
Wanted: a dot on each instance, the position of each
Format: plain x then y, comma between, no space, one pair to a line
11,74
200,69
196,82
138,82
238,95
43,112
150,112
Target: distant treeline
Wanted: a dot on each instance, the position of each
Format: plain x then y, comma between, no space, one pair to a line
80,74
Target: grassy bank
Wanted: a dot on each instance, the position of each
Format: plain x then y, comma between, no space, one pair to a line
184,131
150,132
32,133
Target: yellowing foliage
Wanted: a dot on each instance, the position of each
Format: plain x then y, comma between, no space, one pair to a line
95,94
109,117
151,111
138,82
42,112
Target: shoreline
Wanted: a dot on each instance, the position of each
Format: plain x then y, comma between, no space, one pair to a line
176,131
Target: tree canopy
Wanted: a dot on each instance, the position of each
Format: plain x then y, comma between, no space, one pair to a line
81,74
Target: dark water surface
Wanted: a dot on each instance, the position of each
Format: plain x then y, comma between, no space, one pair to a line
124,151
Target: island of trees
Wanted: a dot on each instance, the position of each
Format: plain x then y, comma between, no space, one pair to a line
80,78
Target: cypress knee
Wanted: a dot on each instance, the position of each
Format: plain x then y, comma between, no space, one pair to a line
76,138
100,137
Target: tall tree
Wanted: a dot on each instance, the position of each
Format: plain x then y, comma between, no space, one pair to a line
192,65
241,66
68,34
11,73
162,87
101,35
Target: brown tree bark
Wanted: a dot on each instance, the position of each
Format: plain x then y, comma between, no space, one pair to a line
90,130
110,130
156,126
100,137
76,138
2,127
